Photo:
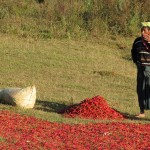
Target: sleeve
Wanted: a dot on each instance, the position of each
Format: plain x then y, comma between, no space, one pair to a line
134,53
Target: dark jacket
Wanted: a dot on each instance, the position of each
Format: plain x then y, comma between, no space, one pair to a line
141,52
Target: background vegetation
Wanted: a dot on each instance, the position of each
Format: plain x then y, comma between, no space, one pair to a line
71,50
72,18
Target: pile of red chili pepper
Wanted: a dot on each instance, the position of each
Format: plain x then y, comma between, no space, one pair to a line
94,108
28,133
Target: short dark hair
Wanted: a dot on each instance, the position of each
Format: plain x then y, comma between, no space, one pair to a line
145,27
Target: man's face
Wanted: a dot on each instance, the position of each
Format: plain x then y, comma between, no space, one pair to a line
145,31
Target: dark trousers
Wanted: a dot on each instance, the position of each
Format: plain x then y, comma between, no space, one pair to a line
143,87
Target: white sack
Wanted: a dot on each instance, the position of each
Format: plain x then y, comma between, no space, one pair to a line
24,98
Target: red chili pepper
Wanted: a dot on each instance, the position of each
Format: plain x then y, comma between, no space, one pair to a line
95,107
22,132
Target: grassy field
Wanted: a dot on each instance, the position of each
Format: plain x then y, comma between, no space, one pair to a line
66,72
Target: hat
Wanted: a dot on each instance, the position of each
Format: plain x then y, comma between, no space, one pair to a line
145,24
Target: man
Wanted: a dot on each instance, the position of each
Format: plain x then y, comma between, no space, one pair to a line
141,57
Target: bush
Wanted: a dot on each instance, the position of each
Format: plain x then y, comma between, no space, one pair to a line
72,18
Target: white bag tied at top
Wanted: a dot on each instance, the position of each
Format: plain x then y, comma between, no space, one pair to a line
22,97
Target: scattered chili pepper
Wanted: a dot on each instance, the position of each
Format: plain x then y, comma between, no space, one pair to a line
26,133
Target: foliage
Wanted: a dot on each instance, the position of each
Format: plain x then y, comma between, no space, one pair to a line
72,18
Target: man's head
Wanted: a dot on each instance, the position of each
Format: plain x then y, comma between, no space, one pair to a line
145,30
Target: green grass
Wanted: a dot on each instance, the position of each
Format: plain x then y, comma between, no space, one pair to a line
66,71
2,139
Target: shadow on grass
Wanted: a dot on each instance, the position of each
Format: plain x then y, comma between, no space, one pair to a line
56,107
132,117
50,106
